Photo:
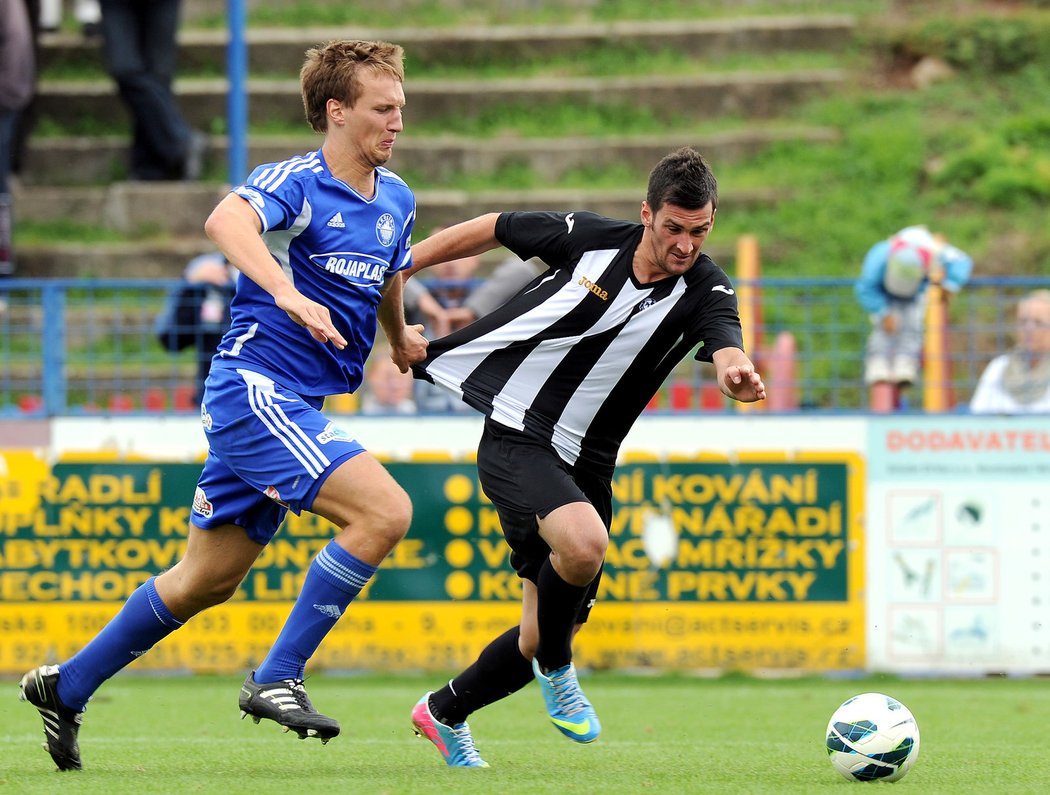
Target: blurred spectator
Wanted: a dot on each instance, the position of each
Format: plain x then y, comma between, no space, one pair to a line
17,76
433,302
451,297
198,312
139,40
429,300
1018,382
892,288
26,118
386,390
507,278
87,13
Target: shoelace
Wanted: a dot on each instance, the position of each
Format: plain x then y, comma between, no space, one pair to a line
568,694
298,688
465,743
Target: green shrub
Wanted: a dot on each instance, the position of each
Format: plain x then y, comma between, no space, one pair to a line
982,44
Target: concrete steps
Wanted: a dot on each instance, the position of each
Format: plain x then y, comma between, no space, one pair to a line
78,180
740,94
97,160
280,50
164,221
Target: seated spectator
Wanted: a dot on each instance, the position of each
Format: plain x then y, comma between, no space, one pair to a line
507,278
386,390
433,301
1018,381
198,311
450,298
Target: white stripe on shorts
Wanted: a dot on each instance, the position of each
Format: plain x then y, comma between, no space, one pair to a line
261,396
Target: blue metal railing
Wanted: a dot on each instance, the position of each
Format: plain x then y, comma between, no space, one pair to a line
76,346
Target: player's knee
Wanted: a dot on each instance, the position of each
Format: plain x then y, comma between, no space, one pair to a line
392,516
222,590
528,641
187,593
581,561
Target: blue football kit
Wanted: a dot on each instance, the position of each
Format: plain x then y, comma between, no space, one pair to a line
270,447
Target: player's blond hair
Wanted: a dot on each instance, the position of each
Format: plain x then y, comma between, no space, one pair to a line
333,71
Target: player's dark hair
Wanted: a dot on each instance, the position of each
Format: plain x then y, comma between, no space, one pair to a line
333,72
683,179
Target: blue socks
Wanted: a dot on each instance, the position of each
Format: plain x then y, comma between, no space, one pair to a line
333,580
141,623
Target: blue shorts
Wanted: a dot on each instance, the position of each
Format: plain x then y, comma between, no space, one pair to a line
269,451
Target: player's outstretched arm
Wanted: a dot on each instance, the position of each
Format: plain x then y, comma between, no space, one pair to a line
737,377
407,343
235,228
466,239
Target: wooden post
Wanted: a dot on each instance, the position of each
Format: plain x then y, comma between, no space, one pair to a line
749,302
935,393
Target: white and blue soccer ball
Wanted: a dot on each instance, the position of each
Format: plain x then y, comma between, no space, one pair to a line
872,737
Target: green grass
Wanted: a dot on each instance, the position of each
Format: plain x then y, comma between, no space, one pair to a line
307,13
669,734
969,156
599,60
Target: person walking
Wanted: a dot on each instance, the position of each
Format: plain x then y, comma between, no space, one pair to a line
139,42
17,85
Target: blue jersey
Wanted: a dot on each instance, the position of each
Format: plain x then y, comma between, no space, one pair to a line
337,247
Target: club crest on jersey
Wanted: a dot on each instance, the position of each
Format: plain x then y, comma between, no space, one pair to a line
354,267
594,288
332,433
648,302
201,503
385,229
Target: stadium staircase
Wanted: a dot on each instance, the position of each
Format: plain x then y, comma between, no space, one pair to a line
73,182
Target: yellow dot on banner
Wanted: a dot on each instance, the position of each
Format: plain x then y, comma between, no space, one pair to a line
459,521
459,553
459,585
459,488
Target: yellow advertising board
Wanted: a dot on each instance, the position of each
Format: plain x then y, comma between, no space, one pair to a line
753,563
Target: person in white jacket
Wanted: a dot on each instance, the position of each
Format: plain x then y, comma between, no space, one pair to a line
1018,381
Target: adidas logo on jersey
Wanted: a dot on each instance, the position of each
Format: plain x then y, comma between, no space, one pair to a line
336,221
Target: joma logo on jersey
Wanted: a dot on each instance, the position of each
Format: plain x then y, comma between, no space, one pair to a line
351,268
594,288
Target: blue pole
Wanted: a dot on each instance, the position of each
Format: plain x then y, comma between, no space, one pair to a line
53,302
237,100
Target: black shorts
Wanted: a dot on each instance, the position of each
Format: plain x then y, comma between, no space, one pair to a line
525,479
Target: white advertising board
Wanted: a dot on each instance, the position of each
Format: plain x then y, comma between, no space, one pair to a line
958,545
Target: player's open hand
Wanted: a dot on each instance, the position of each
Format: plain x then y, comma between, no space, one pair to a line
410,348
743,383
314,316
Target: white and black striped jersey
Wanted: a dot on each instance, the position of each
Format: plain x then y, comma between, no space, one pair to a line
574,357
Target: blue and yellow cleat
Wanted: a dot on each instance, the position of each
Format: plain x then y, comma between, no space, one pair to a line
567,706
454,743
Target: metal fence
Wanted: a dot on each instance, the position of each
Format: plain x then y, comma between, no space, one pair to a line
76,346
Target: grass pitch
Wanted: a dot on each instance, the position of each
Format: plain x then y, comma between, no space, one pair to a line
661,734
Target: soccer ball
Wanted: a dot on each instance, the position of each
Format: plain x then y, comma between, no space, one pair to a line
872,737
